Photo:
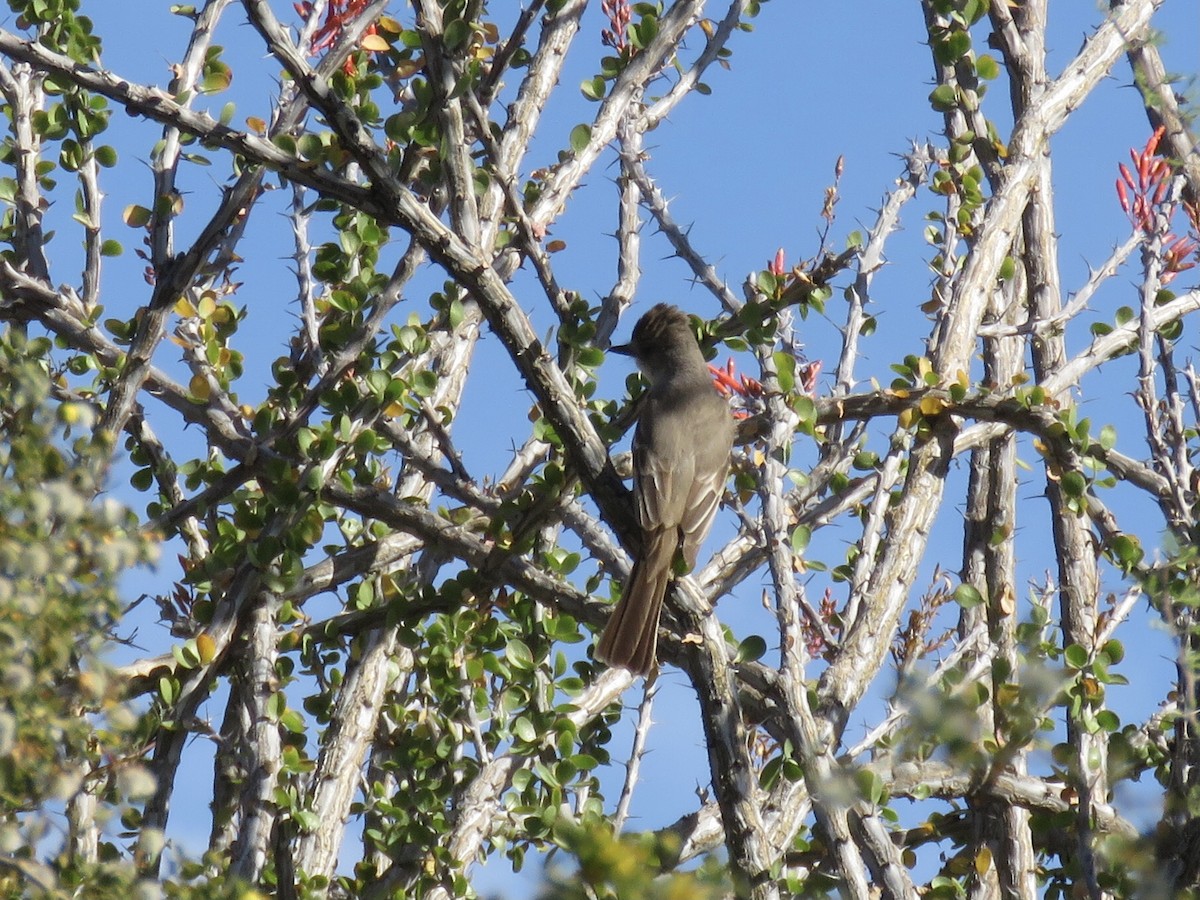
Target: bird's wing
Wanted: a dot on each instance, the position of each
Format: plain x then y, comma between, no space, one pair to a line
708,487
681,460
663,462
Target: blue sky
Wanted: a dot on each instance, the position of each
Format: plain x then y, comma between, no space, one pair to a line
747,167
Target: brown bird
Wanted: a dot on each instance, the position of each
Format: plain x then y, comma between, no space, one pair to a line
680,461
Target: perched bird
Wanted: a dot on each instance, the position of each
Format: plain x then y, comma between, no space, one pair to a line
680,461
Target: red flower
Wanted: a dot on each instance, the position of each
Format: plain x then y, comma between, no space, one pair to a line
338,15
619,17
778,266
1144,192
1140,196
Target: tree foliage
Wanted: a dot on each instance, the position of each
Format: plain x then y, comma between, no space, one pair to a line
385,647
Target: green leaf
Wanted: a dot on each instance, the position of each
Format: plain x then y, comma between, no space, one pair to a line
1076,656
806,410
218,78
1108,720
523,729
1073,484
293,721
785,367
952,47
801,535
967,596
458,32
1108,437
987,68
767,282
751,649
1114,650
106,156
943,98
71,155
593,88
643,32
871,786
276,706
111,248
580,135
1126,550
865,460
519,655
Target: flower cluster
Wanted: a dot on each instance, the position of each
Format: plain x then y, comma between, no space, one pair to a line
815,640
619,17
729,383
1144,191
337,16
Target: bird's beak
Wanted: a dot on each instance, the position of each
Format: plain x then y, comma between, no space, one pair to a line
623,349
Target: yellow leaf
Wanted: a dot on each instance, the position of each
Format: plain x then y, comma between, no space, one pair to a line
255,124
1008,601
206,647
184,308
208,304
390,25
135,216
375,42
198,387
983,861
406,68
931,406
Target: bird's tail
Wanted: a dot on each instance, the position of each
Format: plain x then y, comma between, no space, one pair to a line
631,636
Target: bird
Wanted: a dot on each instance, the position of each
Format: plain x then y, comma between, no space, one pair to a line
681,450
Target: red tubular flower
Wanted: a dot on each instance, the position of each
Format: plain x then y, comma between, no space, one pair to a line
619,16
808,376
779,265
1152,144
1141,194
338,15
1176,250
